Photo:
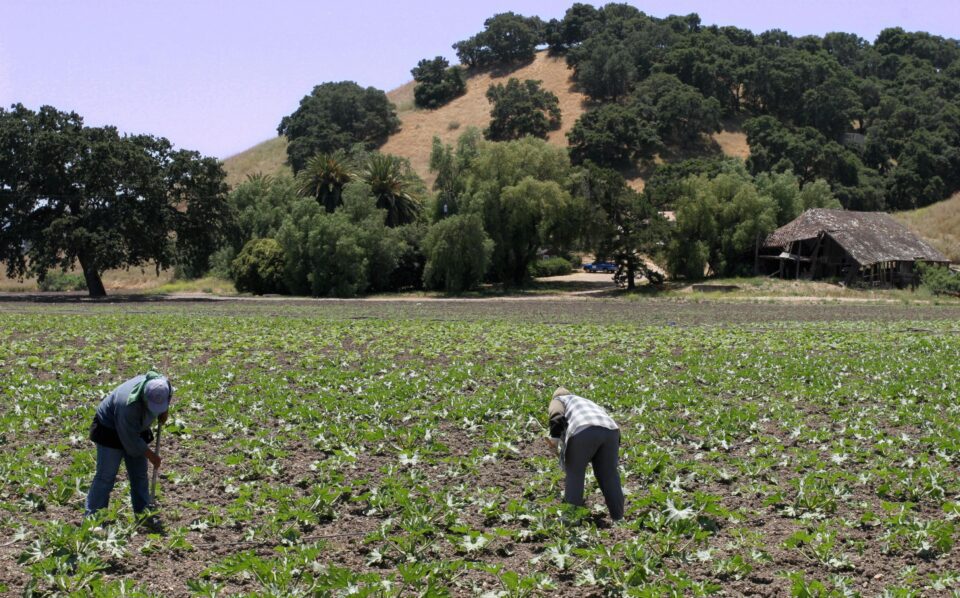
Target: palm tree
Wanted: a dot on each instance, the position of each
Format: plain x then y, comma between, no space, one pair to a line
393,184
324,177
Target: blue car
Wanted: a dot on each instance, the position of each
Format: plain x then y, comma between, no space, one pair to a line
600,267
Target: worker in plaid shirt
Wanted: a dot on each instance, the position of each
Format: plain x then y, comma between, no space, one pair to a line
585,434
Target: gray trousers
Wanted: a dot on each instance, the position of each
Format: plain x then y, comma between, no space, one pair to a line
600,447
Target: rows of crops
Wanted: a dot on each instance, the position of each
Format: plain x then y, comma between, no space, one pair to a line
318,455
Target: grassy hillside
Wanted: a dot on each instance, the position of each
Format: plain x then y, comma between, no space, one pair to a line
267,157
472,109
939,224
419,127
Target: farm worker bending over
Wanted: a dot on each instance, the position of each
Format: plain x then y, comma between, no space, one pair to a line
586,434
121,431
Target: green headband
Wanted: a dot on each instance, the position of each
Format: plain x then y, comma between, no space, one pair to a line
141,386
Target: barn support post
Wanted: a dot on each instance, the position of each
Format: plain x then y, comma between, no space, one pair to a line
814,256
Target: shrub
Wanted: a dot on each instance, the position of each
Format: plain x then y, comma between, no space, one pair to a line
58,281
551,266
259,267
221,262
458,253
939,280
343,254
410,262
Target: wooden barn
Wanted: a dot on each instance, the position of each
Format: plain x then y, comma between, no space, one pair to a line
857,248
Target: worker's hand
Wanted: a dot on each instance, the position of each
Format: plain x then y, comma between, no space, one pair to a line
162,418
153,458
552,443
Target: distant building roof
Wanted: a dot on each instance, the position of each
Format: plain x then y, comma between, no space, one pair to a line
869,237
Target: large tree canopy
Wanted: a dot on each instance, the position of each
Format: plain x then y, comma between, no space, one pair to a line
520,109
507,37
437,82
622,225
879,122
519,188
337,116
74,194
613,135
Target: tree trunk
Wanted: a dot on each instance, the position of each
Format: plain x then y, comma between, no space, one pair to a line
631,274
756,256
94,283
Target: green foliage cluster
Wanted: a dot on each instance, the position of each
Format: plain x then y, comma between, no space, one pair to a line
661,111
621,225
437,82
721,221
342,254
939,280
506,38
259,206
810,155
879,122
70,194
521,109
613,135
457,253
551,266
664,186
520,188
681,112
56,280
450,165
337,116
259,267
324,176
346,225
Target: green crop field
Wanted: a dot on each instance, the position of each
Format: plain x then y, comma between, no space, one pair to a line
337,448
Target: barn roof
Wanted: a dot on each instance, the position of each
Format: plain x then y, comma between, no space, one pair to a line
869,237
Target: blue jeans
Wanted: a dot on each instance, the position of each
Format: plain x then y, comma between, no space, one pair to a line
108,464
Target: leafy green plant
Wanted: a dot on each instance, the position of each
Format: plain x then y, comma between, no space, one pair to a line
55,280
259,267
939,280
553,266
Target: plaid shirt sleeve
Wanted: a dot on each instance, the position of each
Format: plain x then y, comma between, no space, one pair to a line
583,413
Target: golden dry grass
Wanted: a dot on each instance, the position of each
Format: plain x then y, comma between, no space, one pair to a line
939,224
402,97
268,157
733,143
133,279
472,109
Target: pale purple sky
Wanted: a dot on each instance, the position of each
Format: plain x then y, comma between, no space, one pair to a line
217,76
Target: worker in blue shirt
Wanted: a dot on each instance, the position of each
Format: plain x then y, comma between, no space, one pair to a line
121,431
